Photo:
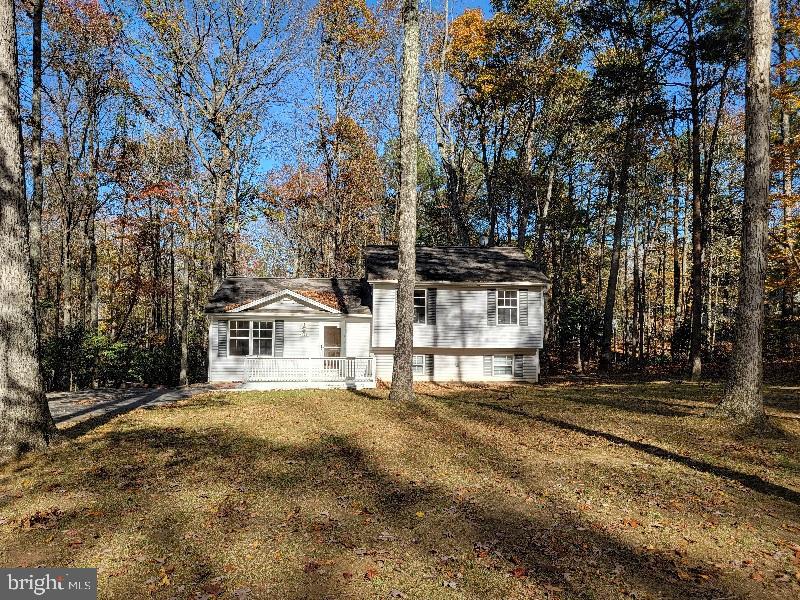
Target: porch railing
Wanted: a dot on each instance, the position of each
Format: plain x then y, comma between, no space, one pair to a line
356,370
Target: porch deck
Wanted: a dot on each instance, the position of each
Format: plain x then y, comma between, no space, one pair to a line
308,372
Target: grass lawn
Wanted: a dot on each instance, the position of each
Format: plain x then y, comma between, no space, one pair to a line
552,491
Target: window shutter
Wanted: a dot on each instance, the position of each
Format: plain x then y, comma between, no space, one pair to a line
430,307
222,339
279,339
519,365
523,308
491,307
429,365
487,366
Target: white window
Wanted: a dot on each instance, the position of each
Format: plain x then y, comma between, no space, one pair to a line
418,364
239,338
507,307
502,364
262,338
419,306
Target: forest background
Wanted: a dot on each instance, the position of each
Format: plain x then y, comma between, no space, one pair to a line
170,144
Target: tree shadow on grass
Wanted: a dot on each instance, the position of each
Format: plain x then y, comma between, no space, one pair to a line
136,466
753,482
157,399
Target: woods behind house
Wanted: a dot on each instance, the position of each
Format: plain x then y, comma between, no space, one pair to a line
170,144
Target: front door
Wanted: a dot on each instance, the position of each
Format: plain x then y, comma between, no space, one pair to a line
331,341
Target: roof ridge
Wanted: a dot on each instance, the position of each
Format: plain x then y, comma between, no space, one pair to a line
294,278
392,246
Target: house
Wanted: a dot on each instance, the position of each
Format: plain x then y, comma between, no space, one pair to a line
478,316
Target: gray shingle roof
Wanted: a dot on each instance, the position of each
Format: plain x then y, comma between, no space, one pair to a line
350,295
457,264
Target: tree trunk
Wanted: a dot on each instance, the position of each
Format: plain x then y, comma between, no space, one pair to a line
183,378
93,296
488,179
25,420
220,215
787,167
695,348
407,208
92,289
743,400
541,220
637,294
613,275
677,278
37,198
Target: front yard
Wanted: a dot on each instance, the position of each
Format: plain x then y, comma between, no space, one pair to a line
559,491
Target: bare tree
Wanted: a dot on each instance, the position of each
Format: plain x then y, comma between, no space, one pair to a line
407,206
743,399
226,61
25,420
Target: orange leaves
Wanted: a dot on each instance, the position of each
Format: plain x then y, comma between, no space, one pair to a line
503,58
470,47
348,25
470,38
161,189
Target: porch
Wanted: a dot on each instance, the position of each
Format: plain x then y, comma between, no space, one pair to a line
308,372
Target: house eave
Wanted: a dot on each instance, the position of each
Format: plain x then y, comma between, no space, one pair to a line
481,284
286,315
285,292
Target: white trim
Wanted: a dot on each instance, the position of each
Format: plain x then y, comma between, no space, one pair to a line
497,308
511,356
468,284
322,339
285,316
232,337
285,292
253,338
424,306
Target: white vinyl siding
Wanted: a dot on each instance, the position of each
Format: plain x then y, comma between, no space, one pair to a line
455,367
460,321
356,337
301,339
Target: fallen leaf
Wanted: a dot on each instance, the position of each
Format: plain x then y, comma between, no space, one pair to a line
212,588
633,523
519,572
311,567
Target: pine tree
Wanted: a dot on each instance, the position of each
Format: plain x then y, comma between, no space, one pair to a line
743,399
